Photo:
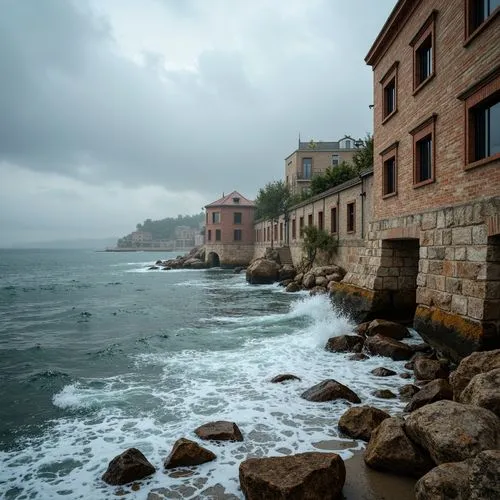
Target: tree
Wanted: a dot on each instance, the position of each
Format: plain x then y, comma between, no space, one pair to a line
332,177
315,239
363,158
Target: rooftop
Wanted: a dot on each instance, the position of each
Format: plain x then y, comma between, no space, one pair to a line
233,199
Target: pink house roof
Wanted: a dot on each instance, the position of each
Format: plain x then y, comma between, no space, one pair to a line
233,199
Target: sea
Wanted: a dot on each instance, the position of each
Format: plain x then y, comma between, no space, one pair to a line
99,354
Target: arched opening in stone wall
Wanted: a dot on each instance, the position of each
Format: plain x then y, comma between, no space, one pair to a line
398,276
492,293
213,260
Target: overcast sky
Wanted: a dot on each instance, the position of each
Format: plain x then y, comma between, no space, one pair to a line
114,111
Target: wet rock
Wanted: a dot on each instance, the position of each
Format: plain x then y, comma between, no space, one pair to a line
287,272
193,263
452,432
292,287
436,390
484,476
483,390
158,263
477,362
298,278
358,422
344,343
219,431
321,281
384,394
387,329
362,328
408,391
283,378
318,290
186,453
285,283
382,372
262,271
390,449
130,466
429,369
446,481
237,270
311,476
405,375
385,346
309,281
153,268
358,356
330,390
423,347
327,270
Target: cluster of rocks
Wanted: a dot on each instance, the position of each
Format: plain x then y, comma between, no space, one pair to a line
195,259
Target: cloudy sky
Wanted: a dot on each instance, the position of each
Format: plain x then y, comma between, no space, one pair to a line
114,111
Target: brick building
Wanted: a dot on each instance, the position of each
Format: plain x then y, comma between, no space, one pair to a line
433,246
229,233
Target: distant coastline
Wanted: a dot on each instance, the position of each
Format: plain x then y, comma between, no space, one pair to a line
148,249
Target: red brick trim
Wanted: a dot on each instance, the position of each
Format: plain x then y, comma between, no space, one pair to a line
470,33
493,223
427,29
425,128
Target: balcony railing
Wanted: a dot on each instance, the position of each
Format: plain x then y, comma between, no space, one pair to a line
301,176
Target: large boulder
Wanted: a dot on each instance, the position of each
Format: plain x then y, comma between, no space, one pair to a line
193,263
452,432
385,346
130,466
483,390
186,453
308,476
390,449
330,390
477,362
287,272
446,481
292,287
407,391
484,476
429,369
359,422
219,431
327,270
383,372
387,329
262,272
284,377
436,390
309,281
345,343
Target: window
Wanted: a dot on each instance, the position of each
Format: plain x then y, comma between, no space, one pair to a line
351,217
301,224
333,220
423,53
478,14
348,144
423,152
281,231
335,160
320,220
217,235
306,168
268,234
215,217
236,201
276,232
294,229
209,235
310,220
389,170
389,91
237,217
237,235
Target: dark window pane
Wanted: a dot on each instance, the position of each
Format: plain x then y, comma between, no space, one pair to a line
494,128
424,152
390,176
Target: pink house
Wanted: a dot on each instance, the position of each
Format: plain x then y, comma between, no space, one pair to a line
229,231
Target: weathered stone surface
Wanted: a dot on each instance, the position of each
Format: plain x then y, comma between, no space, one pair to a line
186,453
429,369
293,287
405,375
358,356
446,481
408,391
327,270
484,476
435,390
362,328
309,280
387,329
390,449
329,390
317,290
262,271
130,466
384,394
477,362
383,372
344,343
286,272
308,476
385,346
283,378
321,281
219,431
484,390
452,432
358,422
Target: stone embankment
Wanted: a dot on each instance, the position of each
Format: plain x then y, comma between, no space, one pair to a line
195,259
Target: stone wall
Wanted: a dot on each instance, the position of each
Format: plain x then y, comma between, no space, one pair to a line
230,255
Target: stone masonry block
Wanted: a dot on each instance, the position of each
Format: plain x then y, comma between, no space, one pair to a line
424,296
423,266
475,308
447,236
429,221
436,253
468,270
436,266
423,252
427,238
459,216
476,253
459,304
449,253
480,235
462,236
469,214
448,215
441,283
421,279
478,213
454,285
442,300
438,237
460,253
450,268
473,288
440,219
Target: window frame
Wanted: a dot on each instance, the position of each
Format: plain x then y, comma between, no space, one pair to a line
390,76
428,30
420,132
303,175
214,214
471,31
334,227
209,235
218,235
294,229
321,220
241,218
350,229
238,232
386,155
310,220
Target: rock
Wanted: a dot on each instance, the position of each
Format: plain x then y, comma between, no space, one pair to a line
287,272
484,476
317,290
292,287
321,281
359,356
433,391
358,422
158,263
344,343
390,449
272,254
219,431
362,328
429,369
335,277
327,270
298,278
382,372
446,481
166,268
408,391
385,346
309,281
186,453
130,466
384,394
452,432
285,283
311,476
477,362
405,375
237,270
262,271
330,390
387,329
153,268
483,390
283,378
193,263
423,347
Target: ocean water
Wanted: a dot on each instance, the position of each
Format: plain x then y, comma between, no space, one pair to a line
97,355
